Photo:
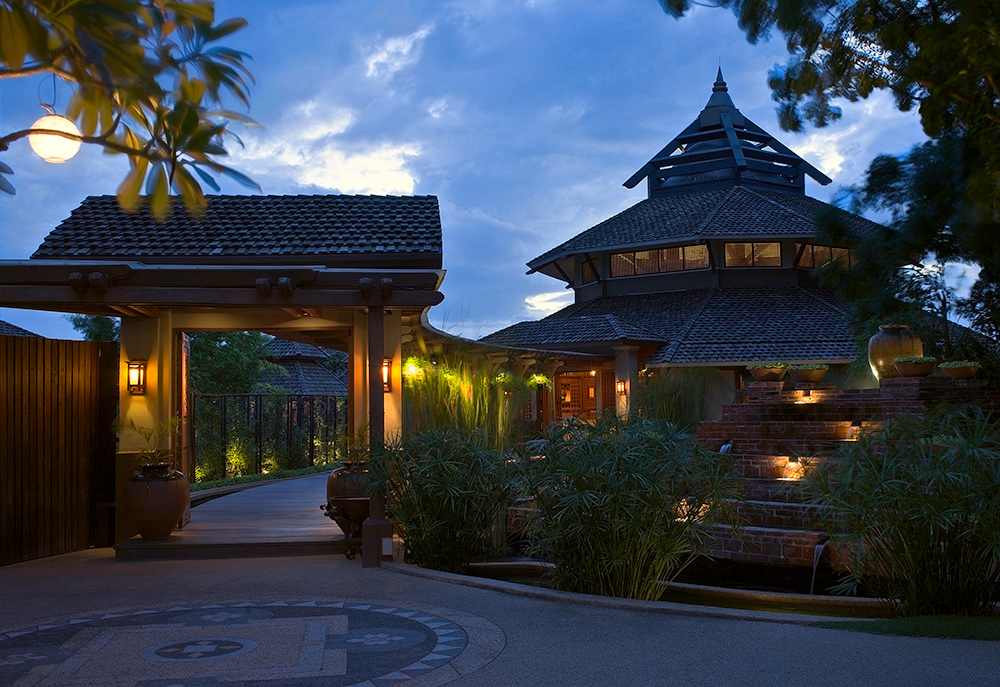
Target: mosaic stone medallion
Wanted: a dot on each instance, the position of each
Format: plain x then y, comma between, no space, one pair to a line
319,644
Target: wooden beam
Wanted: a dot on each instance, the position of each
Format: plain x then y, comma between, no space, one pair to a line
48,297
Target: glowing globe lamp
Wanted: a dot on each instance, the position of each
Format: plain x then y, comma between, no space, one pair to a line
51,148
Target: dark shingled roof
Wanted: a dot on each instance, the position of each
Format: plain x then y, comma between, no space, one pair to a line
303,372
8,329
278,348
736,212
318,228
706,326
306,377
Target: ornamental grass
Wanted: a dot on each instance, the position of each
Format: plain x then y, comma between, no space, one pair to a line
920,498
621,507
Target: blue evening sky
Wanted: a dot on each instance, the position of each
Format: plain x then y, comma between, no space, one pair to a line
523,117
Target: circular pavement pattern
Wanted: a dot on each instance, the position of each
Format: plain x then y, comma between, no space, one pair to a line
293,644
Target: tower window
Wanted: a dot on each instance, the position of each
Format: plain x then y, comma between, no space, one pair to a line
753,254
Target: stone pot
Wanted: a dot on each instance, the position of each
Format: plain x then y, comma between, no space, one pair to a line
347,501
915,369
156,496
966,372
890,342
768,374
808,376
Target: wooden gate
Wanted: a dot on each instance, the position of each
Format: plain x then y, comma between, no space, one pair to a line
58,403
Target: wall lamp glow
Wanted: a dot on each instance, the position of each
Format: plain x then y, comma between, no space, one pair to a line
387,375
620,386
137,376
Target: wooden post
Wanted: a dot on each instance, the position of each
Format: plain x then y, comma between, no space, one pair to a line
377,526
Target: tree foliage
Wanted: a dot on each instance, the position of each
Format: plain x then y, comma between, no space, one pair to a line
227,362
149,82
96,327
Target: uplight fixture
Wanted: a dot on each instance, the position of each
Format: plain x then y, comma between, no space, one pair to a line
137,376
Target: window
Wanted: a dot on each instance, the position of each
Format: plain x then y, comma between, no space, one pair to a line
813,256
588,274
622,264
646,262
753,255
659,261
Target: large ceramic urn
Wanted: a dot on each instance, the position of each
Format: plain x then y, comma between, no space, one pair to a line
890,342
156,496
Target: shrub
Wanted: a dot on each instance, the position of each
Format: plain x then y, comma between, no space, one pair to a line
809,366
447,491
959,363
621,507
921,502
681,396
768,365
914,359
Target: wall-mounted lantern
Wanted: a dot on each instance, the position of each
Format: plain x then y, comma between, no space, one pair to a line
620,386
137,376
387,375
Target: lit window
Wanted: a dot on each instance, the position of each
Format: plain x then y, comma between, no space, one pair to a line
753,255
622,264
587,273
646,262
695,257
672,259
813,256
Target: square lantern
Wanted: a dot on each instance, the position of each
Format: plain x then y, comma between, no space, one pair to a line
387,375
620,386
137,376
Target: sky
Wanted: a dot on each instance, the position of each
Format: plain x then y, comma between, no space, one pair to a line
524,118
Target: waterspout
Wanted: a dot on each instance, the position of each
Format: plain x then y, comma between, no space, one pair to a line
817,555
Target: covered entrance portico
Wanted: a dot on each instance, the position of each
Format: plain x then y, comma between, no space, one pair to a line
344,272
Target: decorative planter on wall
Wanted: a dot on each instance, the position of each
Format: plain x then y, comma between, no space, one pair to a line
768,374
156,496
890,342
964,372
808,376
915,369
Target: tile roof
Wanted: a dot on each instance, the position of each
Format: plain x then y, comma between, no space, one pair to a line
737,211
320,228
8,329
305,377
708,326
278,348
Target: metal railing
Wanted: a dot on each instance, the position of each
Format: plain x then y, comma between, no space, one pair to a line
239,434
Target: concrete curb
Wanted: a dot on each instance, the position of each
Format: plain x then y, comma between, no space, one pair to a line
610,602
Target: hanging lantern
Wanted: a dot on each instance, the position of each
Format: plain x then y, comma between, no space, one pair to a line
52,148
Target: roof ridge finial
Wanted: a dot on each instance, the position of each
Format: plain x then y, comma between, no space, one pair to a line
720,83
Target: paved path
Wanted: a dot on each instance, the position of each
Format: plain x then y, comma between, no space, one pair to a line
86,619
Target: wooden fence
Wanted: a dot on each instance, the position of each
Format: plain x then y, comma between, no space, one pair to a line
58,402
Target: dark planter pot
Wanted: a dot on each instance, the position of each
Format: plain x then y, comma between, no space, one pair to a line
961,372
808,376
892,341
347,500
156,496
915,369
768,374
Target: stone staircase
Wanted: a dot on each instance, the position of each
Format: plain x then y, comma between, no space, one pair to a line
781,431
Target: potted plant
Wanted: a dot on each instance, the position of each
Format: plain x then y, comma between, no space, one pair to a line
771,371
808,373
914,366
156,495
960,369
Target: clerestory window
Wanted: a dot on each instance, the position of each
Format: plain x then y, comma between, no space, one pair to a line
753,254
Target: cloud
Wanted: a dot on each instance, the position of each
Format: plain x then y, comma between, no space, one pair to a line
542,304
393,54
309,148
